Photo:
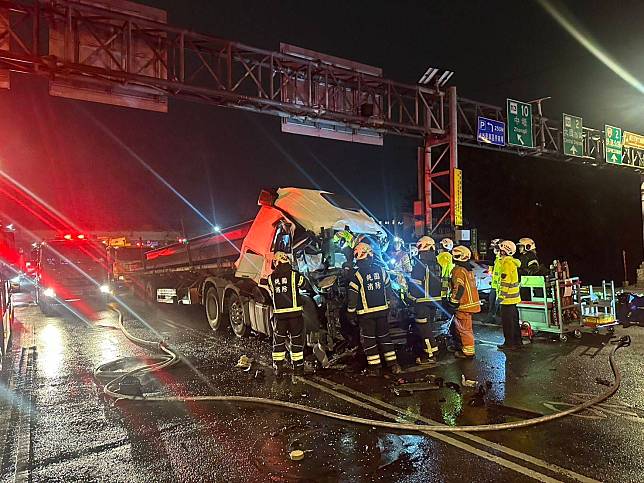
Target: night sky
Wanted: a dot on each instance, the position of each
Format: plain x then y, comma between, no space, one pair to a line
220,158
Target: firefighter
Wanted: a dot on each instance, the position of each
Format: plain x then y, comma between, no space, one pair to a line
528,257
400,260
284,284
496,278
425,292
464,299
509,296
345,241
368,302
446,263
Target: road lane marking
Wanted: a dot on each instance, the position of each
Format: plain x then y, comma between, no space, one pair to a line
482,441
439,436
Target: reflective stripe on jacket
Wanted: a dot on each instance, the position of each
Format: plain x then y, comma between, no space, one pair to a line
509,283
284,287
426,283
368,290
464,291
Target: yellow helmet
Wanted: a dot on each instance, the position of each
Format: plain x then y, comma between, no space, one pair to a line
447,244
528,244
362,251
280,257
461,253
425,243
508,247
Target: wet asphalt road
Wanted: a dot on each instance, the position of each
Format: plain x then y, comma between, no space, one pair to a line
56,425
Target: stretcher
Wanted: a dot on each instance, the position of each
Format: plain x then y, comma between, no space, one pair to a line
551,306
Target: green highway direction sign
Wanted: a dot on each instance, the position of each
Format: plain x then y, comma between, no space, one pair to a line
519,124
573,135
613,137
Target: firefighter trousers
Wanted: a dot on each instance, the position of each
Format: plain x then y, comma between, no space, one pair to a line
463,325
375,339
425,313
286,325
511,328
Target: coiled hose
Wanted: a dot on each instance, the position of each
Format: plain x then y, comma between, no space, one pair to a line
170,358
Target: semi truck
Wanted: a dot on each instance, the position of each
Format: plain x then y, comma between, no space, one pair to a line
226,271
69,269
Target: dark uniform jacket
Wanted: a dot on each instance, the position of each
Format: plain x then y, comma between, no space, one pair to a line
368,290
285,283
425,285
529,263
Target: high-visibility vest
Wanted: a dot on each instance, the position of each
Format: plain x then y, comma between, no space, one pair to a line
496,272
509,282
284,287
447,265
464,291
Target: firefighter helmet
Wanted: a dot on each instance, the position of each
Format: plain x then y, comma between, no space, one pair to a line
508,247
461,253
280,257
447,244
362,251
344,238
528,244
425,243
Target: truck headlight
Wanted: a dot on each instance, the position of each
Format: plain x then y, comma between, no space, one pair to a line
49,292
105,288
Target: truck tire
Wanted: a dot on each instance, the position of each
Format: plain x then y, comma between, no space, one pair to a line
237,315
213,310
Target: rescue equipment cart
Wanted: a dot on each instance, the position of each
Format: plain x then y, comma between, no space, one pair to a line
599,308
552,305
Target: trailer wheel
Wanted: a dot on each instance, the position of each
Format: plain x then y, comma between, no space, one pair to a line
213,311
236,315
563,337
577,334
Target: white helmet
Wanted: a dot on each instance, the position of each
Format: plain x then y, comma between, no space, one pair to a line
447,244
425,243
362,251
528,244
508,247
461,253
494,244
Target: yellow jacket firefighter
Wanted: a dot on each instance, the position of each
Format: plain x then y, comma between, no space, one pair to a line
446,263
464,291
509,282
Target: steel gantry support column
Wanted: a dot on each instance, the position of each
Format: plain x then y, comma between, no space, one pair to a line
438,158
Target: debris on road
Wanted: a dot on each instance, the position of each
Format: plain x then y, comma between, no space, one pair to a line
467,382
244,362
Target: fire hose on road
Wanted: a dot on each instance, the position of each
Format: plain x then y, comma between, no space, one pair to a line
168,358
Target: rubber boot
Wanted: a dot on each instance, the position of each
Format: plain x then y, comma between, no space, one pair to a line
374,371
298,370
424,359
278,368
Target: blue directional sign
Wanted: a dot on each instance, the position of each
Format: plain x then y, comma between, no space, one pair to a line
490,131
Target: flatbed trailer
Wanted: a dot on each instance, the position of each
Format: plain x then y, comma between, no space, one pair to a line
226,271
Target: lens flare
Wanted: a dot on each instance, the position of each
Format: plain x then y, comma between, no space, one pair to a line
586,40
